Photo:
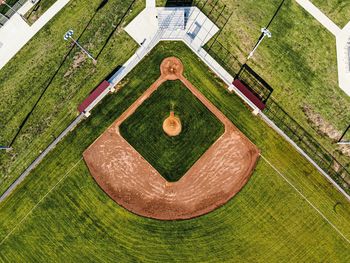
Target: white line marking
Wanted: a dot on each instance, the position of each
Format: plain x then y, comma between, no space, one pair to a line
307,200
31,210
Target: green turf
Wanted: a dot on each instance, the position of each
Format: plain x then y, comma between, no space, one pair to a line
172,156
38,9
337,10
301,67
24,78
59,213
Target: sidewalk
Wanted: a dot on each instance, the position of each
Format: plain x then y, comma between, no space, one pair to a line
16,32
342,43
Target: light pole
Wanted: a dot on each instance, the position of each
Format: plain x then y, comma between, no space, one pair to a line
3,2
68,35
264,33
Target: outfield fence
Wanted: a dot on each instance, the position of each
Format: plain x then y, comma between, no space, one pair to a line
323,158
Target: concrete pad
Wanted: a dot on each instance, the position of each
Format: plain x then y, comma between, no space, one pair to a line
144,26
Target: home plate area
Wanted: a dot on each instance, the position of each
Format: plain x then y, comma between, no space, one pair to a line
168,160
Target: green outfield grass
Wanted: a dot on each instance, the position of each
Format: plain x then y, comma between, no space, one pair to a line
337,10
172,156
38,9
60,214
25,77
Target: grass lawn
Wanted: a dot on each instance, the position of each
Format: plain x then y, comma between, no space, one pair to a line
299,62
60,214
25,77
337,10
172,156
38,9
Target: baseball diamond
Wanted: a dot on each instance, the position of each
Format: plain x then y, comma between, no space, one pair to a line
174,131
133,183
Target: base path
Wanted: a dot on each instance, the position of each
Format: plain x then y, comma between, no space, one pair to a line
133,183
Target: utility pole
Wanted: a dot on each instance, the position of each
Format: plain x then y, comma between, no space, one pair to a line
264,33
68,35
3,2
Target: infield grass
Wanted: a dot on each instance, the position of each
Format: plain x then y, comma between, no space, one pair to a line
172,156
60,214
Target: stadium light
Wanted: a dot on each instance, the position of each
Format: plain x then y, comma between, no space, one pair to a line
68,35
264,33
3,2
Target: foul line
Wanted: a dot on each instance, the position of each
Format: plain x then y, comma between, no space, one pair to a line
36,205
307,200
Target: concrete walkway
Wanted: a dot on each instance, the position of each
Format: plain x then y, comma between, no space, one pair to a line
319,16
16,32
342,43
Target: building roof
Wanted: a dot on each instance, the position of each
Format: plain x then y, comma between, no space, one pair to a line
93,95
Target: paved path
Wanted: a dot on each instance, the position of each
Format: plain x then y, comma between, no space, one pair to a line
41,157
16,32
342,43
321,17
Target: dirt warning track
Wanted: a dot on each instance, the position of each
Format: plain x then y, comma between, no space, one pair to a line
133,183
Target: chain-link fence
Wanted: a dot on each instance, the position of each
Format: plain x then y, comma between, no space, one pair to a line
256,84
308,144
224,57
215,10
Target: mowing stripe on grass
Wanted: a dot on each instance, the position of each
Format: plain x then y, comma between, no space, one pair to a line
41,199
305,198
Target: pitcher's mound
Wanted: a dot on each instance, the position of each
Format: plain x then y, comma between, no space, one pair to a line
172,125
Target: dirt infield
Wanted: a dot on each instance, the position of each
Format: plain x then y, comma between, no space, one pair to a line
133,183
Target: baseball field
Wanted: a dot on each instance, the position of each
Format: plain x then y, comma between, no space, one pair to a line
60,213
286,211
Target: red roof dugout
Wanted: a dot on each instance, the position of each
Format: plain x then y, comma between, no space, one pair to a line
250,95
93,96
